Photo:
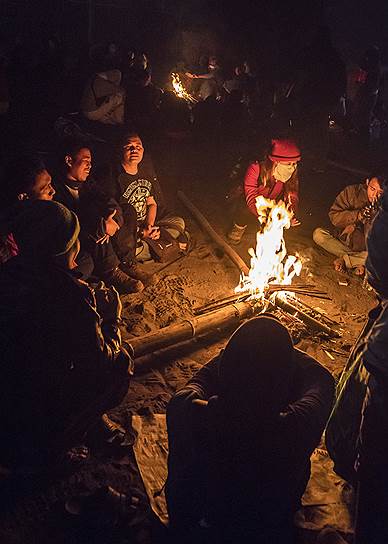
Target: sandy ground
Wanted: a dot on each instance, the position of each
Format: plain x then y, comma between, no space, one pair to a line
34,506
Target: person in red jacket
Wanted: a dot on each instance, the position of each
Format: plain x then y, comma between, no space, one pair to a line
275,178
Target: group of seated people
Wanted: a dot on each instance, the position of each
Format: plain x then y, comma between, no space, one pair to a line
119,209
242,431
351,214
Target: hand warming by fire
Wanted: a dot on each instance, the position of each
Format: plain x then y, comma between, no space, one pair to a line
269,261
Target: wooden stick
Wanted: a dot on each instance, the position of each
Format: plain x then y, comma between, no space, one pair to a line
307,319
190,328
204,223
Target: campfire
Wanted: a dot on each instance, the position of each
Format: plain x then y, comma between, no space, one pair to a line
270,263
180,91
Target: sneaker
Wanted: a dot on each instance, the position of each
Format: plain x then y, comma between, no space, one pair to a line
234,236
135,271
123,283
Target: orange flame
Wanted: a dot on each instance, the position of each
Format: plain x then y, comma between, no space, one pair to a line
180,90
269,261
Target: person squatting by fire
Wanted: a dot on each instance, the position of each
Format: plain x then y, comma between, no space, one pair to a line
275,178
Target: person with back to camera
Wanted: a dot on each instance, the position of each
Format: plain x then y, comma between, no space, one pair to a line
241,433
275,178
63,361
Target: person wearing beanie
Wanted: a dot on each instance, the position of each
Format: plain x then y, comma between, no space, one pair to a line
351,214
63,362
25,178
275,178
241,433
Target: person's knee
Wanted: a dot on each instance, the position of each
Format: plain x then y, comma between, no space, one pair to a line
319,236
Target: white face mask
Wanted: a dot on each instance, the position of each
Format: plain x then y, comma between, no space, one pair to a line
282,171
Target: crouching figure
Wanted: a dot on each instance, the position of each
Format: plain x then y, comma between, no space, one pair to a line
241,433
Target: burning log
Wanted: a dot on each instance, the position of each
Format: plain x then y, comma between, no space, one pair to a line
191,328
296,310
204,223
222,318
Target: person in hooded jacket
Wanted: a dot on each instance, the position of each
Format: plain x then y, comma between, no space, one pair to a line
63,363
241,433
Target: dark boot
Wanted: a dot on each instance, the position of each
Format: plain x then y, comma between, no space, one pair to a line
136,271
123,283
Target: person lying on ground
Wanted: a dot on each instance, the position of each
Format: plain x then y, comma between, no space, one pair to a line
275,178
63,362
241,433
351,214
133,183
100,218
24,178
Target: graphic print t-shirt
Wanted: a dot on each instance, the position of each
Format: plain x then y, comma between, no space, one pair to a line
135,190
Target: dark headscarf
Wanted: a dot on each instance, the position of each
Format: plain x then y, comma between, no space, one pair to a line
256,368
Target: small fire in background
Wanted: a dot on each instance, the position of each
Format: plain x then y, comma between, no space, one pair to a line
180,90
269,261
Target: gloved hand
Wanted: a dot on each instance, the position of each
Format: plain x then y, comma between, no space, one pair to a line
108,303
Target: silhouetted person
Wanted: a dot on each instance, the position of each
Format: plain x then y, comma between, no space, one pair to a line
241,433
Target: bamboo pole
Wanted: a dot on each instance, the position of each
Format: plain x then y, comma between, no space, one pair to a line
204,223
303,316
190,328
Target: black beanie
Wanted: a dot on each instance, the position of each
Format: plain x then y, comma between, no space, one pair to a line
44,228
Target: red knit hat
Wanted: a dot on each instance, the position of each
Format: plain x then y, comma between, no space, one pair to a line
284,151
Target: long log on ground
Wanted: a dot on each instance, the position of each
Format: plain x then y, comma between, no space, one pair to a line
347,168
193,327
204,223
303,316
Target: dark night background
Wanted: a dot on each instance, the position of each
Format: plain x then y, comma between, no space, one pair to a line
273,32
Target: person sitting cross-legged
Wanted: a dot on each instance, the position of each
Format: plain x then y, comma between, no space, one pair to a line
351,214
133,183
241,433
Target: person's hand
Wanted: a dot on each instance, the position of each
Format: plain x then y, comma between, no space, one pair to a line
108,302
349,229
295,222
189,74
150,231
111,227
104,239
366,214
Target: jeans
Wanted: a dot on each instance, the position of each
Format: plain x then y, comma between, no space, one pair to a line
331,244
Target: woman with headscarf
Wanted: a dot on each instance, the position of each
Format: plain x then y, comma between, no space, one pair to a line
241,433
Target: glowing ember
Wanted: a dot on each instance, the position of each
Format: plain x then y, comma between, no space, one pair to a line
269,261
179,89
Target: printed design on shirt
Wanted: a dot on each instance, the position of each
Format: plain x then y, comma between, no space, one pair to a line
136,194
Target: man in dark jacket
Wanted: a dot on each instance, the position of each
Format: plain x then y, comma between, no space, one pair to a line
100,218
351,214
63,363
241,433
371,523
